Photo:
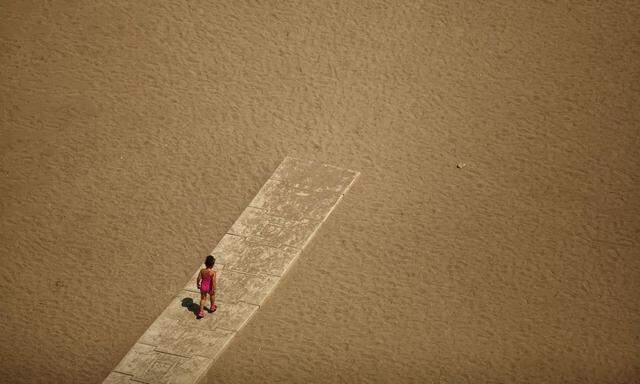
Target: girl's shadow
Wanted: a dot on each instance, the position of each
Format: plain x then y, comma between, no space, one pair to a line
188,303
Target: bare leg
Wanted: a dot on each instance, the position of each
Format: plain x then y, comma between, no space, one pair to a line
212,296
203,297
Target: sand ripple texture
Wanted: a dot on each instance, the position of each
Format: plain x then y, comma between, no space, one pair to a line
134,133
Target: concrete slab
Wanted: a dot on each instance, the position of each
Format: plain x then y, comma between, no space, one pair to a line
278,198
189,371
144,364
311,175
169,369
235,286
258,249
183,309
158,370
240,254
260,227
162,328
138,357
187,341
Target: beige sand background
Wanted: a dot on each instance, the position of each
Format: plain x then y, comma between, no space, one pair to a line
134,133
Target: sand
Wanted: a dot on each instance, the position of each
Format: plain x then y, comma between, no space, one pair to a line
133,134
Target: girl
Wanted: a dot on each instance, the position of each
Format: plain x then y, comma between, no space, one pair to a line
206,283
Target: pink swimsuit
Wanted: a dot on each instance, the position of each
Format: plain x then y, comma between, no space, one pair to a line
205,283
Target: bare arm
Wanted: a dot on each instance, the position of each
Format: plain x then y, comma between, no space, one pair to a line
199,279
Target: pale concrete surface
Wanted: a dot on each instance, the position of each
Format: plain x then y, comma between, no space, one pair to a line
231,316
259,226
239,253
250,260
143,363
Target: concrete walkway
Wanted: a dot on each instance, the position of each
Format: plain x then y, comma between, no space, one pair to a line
251,258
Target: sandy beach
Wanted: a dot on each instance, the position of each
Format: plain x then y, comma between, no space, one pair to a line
492,237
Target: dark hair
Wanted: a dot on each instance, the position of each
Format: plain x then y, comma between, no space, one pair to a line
209,261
